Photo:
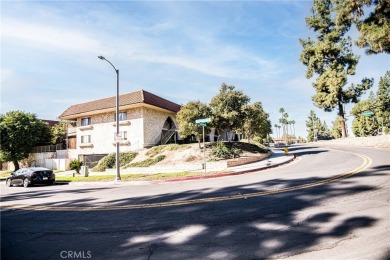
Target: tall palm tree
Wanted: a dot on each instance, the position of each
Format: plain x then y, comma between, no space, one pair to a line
276,130
281,111
286,122
293,124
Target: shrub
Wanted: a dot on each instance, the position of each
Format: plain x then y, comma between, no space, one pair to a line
76,165
126,158
108,162
175,147
190,158
225,150
258,140
155,150
148,162
263,148
167,147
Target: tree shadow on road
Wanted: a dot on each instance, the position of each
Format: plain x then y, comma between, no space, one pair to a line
270,226
306,150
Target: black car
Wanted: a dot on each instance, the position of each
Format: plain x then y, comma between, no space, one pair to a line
31,176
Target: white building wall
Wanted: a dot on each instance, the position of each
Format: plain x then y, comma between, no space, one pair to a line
72,154
102,132
143,127
49,160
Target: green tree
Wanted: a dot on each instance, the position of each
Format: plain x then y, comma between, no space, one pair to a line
282,121
336,131
382,102
312,124
277,128
293,125
227,108
374,28
188,114
58,131
256,121
380,105
20,133
364,125
286,122
324,130
331,58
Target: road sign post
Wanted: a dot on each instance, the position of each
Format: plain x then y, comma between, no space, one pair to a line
367,113
203,122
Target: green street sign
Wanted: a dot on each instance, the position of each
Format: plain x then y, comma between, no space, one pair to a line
367,113
203,121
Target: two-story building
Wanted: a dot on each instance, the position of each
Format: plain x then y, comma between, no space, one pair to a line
144,120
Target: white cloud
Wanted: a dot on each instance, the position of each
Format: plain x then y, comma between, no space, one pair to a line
211,56
183,50
45,36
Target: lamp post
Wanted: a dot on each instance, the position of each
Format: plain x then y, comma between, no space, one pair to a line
117,134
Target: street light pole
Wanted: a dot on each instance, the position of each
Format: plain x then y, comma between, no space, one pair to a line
117,134
204,151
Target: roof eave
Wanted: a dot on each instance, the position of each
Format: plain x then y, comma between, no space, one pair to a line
108,110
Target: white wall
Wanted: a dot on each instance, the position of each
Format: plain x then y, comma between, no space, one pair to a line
103,134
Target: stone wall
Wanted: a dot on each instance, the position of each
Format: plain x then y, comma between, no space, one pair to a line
153,124
179,167
381,141
98,119
246,160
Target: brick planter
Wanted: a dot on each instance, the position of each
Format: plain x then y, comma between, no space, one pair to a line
246,160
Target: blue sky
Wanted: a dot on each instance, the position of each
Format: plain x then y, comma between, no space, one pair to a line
182,51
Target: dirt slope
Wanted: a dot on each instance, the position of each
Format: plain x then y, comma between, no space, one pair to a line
192,153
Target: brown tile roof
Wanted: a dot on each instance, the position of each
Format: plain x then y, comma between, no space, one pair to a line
131,98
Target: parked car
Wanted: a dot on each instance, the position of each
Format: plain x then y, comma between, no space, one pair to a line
31,176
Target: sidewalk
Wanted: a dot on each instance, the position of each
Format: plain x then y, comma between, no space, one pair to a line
276,158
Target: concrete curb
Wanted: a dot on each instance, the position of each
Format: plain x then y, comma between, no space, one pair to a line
186,178
225,174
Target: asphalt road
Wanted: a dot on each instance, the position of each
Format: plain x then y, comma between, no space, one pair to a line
328,204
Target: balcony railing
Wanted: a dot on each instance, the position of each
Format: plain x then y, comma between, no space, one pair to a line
48,148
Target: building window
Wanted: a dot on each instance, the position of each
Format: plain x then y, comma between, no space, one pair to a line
85,121
123,135
122,116
86,139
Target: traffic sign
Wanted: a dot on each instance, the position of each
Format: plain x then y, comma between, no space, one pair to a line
203,120
367,113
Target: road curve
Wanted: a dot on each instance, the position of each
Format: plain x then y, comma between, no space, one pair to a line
326,173
326,202
366,162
